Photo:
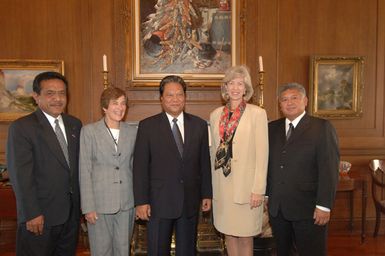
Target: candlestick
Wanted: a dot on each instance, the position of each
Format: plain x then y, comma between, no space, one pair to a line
260,64
105,63
261,84
105,80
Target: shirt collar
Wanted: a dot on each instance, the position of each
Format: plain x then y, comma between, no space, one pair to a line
52,119
180,118
295,121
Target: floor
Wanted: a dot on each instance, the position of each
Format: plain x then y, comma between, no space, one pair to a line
341,243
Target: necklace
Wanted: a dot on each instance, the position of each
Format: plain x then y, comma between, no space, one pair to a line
109,131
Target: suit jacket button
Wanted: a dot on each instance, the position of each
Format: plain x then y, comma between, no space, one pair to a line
181,181
284,152
116,168
281,166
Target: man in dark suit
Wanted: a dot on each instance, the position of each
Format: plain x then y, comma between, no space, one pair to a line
302,175
42,158
172,175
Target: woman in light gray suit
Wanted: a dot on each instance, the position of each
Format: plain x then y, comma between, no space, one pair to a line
106,152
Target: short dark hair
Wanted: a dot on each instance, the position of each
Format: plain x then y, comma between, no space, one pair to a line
172,79
111,93
47,76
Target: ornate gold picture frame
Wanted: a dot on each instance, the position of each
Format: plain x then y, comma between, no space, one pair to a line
197,40
336,84
16,78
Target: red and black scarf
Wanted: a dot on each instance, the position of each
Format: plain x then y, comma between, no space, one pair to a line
228,123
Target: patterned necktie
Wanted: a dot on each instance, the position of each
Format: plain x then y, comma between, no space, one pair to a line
177,136
62,141
290,131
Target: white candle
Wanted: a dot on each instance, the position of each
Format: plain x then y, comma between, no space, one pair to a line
105,63
260,64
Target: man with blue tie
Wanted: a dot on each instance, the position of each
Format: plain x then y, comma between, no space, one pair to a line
172,176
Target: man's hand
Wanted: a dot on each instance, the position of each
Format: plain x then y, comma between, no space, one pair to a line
321,217
91,217
266,203
143,211
206,205
36,225
256,200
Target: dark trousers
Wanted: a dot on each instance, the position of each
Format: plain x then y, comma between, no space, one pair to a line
307,238
159,233
60,240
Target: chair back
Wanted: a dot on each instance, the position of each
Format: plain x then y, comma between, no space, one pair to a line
377,171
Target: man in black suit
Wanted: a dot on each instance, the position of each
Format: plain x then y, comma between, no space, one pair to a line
302,175
43,168
172,175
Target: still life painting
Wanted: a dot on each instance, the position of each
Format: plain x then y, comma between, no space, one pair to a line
183,37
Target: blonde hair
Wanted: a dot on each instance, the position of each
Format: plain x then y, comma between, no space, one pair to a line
235,72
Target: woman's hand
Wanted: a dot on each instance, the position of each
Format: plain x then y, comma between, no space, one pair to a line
91,217
256,200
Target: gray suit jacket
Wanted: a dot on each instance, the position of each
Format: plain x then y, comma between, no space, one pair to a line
105,173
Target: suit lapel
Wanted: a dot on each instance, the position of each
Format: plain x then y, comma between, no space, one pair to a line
301,127
188,130
124,140
282,132
105,136
50,138
215,128
71,140
165,129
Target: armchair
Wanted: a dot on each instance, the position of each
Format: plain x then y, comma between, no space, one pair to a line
377,171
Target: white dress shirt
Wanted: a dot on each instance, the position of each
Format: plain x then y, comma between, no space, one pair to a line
52,119
180,123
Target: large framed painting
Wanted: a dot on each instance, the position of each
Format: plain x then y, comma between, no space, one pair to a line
16,78
197,40
336,84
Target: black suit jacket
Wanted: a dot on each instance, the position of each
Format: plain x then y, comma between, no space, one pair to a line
40,175
303,172
162,178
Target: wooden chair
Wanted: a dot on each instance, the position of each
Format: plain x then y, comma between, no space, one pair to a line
377,171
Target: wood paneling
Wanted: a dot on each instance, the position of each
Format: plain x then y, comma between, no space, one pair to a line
285,32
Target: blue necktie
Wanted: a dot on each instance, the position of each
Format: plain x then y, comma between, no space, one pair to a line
177,136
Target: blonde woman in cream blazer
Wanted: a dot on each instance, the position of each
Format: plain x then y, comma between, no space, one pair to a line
239,169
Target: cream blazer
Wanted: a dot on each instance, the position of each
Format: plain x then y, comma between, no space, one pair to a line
250,153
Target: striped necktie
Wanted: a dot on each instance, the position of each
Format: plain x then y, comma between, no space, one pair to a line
62,141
